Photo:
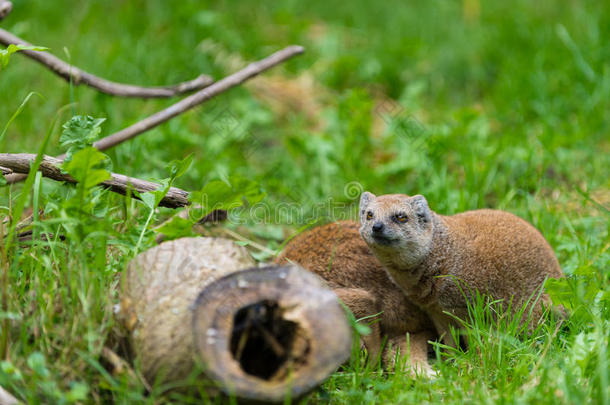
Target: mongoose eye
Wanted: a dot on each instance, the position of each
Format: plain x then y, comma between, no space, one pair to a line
369,215
400,217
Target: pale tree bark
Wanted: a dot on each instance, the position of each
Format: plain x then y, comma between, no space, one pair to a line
6,398
119,183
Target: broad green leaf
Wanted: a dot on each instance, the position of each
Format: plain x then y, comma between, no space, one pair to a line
152,198
560,292
148,199
261,255
13,316
9,369
218,194
178,167
175,228
87,167
37,362
362,329
80,132
78,392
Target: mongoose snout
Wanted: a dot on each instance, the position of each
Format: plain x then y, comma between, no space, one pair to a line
440,261
378,228
382,235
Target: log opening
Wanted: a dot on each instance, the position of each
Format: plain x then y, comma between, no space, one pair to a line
265,333
262,341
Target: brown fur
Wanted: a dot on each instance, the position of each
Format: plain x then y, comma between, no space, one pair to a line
337,253
494,252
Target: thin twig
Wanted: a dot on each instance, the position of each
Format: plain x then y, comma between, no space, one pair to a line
242,238
120,365
194,100
5,170
78,76
271,341
189,102
5,9
50,167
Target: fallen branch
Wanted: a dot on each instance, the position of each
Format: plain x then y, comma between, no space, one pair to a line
189,102
50,167
5,9
78,76
118,183
5,170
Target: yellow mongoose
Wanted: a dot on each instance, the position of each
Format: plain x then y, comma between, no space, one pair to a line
337,253
438,261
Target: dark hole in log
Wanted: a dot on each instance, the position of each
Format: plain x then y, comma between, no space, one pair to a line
261,339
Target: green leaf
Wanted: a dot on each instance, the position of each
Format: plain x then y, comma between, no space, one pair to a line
5,54
13,316
217,194
178,167
80,132
560,292
78,392
87,167
175,228
362,329
9,369
37,362
152,198
2,180
148,199
261,256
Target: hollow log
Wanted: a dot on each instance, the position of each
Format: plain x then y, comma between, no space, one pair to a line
259,334
6,398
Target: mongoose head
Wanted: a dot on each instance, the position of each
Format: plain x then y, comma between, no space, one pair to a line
397,228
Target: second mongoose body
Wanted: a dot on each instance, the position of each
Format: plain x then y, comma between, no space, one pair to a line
337,253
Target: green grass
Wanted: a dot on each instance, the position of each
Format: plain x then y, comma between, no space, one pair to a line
472,104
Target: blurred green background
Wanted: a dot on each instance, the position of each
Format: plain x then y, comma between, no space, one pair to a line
472,104
516,94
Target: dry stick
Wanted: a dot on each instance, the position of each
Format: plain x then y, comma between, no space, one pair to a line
120,365
189,102
79,76
194,100
50,167
242,238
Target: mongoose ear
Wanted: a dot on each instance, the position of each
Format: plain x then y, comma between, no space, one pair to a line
420,206
365,199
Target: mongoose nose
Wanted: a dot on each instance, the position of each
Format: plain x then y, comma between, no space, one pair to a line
378,227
